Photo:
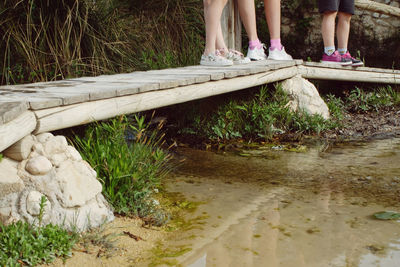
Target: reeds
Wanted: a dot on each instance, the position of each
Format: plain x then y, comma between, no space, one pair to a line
48,40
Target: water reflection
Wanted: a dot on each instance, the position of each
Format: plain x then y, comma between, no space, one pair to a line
255,220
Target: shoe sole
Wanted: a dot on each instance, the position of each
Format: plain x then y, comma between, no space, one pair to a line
337,63
357,64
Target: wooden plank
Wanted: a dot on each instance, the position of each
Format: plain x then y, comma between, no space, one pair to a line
11,110
73,115
377,7
67,96
16,129
35,102
123,85
195,77
348,75
336,66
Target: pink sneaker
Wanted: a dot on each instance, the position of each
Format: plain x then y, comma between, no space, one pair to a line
354,61
336,58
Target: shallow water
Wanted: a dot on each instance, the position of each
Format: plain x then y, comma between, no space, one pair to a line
279,208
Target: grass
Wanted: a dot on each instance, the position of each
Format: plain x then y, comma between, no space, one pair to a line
260,117
359,100
130,164
51,40
25,244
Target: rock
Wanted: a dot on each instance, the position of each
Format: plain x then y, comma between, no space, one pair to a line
77,183
33,201
20,150
304,96
44,137
9,179
55,145
39,149
50,167
39,165
73,154
57,159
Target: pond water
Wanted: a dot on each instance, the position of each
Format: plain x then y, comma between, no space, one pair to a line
272,206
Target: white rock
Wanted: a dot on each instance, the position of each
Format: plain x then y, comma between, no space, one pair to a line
57,159
44,137
304,96
33,203
20,150
73,154
38,165
77,183
38,148
9,179
55,145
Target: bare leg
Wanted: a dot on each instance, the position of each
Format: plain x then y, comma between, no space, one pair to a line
343,29
273,16
220,43
328,28
212,16
248,16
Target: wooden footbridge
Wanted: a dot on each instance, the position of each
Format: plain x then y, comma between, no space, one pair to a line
42,107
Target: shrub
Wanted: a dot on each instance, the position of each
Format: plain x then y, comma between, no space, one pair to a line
129,162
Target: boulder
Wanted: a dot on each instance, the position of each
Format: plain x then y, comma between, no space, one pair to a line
305,97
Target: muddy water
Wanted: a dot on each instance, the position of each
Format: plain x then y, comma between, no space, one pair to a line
274,207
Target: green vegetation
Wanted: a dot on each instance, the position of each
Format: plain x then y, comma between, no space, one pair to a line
49,40
260,117
1,157
25,244
387,215
360,100
129,162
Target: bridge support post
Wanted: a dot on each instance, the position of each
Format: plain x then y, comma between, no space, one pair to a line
231,25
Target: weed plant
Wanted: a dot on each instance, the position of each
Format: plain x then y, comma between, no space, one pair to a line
359,100
25,244
261,117
130,163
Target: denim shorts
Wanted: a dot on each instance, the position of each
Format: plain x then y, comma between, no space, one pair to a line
346,6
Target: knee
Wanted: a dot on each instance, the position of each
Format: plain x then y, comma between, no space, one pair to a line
345,17
330,14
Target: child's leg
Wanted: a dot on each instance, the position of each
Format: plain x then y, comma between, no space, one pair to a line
328,31
212,16
220,42
273,16
248,16
342,32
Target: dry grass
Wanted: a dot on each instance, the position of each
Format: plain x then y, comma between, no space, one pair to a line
49,40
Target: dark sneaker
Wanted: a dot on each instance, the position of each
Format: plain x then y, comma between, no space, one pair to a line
355,62
336,58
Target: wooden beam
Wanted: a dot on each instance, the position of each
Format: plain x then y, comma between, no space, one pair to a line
320,73
17,129
231,25
68,116
377,7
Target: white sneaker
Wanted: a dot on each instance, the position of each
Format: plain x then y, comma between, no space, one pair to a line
214,60
236,57
256,53
278,54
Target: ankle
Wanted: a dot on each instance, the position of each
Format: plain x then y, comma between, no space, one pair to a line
275,44
254,44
